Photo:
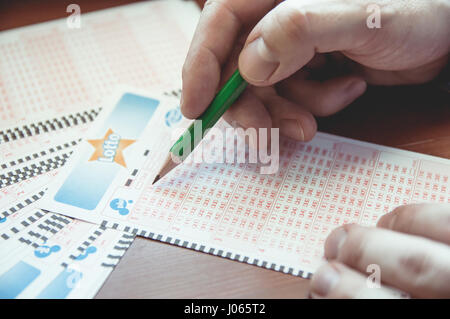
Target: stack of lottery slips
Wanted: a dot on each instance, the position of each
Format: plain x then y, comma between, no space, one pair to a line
54,79
46,254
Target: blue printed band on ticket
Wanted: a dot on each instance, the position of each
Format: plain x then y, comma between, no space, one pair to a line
97,168
62,285
16,279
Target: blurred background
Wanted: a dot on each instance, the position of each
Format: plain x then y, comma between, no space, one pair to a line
19,13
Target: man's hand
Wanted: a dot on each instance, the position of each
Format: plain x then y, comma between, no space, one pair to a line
310,57
411,247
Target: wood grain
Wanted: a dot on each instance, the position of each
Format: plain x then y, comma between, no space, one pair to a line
156,270
410,118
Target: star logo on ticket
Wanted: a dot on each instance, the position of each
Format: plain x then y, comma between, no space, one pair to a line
110,148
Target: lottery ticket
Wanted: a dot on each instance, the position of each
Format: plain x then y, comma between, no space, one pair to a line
52,68
13,224
34,168
278,221
37,148
29,142
58,257
16,196
26,233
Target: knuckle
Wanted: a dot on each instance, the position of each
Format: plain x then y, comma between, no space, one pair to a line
427,274
216,7
416,264
293,22
284,26
405,216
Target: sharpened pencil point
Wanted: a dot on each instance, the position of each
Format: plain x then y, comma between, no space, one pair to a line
156,179
167,166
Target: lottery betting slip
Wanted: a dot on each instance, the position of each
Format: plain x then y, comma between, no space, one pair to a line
51,69
278,221
53,80
47,255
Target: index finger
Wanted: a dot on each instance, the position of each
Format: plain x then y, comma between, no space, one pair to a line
413,264
427,220
213,41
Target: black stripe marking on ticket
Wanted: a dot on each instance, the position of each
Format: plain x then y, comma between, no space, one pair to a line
173,93
34,169
87,242
207,250
46,126
57,123
119,250
15,208
34,156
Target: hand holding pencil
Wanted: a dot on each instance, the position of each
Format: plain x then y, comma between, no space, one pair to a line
310,58
188,141
313,58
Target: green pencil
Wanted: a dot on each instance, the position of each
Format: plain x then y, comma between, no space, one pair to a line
221,102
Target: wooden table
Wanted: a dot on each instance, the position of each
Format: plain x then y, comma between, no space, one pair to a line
410,118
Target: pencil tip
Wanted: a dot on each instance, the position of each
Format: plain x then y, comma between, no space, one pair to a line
168,165
156,179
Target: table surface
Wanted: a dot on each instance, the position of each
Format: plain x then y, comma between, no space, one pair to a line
410,118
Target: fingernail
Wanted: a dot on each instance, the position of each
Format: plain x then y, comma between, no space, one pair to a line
324,280
334,243
181,99
292,129
256,63
392,221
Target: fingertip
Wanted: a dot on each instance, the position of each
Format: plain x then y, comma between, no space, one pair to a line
188,112
334,241
383,222
309,125
338,93
324,280
186,109
292,128
355,89
302,129
387,220
293,121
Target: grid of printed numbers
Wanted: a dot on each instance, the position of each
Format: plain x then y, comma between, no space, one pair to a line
319,186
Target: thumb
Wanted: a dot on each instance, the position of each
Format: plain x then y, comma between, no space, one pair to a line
289,35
